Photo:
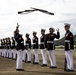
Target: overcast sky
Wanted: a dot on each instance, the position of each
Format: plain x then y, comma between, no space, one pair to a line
64,10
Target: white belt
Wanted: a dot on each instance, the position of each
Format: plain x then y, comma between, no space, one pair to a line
50,42
42,43
22,42
27,44
67,41
34,43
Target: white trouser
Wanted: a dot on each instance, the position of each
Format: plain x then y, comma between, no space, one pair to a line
5,52
1,53
14,53
23,56
28,52
69,59
19,59
10,53
44,56
52,58
36,55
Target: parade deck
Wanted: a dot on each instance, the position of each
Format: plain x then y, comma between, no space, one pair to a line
7,66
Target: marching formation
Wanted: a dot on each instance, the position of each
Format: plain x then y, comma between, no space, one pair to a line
14,48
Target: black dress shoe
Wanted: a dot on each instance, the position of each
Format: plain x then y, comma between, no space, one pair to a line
65,69
9,58
53,67
23,60
43,65
13,59
70,70
36,63
20,70
28,61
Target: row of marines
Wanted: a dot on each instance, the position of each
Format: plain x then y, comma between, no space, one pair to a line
15,48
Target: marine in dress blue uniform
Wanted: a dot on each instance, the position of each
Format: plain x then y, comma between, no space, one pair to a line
28,48
13,46
42,47
69,47
35,48
1,53
9,48
49,44
20,49
4,47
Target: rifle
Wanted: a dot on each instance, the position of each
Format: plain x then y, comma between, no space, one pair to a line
17,26
35,9
17,29
41,10
27,11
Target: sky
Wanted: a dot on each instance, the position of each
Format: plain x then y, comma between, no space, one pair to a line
64,10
